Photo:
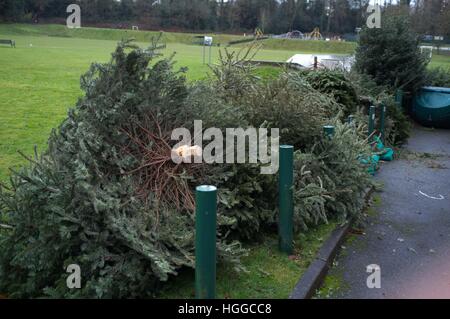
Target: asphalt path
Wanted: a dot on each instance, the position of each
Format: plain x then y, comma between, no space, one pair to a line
408,233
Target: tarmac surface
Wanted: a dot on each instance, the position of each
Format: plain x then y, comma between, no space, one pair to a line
408,232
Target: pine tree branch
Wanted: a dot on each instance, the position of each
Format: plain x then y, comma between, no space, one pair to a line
6,227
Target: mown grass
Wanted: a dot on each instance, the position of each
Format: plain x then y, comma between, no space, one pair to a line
270,274
440,60
53,30
39,81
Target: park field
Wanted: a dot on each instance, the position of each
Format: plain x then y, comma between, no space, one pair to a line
170,37
40,77
39,80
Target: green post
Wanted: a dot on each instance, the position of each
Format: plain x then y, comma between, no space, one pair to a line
382,122
350,119
329,130
399,97
286,199
371,120
205,242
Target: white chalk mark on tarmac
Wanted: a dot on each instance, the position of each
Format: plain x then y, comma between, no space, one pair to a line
441,197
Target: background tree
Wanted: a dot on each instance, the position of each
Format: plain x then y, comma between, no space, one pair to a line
272,16
13,10
391,55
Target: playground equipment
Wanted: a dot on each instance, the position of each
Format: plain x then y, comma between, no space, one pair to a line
258,33
315,35
431,107
295,34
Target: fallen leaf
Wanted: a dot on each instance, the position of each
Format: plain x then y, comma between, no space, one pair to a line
356,231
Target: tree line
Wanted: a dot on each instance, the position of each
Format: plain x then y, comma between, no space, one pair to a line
271,16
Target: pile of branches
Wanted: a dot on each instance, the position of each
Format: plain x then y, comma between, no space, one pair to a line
157,175
333,171
107,196
336,84
100,196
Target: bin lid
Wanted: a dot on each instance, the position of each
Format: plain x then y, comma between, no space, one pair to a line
436,89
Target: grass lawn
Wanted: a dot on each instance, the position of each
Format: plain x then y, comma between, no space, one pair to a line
39,80
38,83
442,61
54,30
270,273
170,37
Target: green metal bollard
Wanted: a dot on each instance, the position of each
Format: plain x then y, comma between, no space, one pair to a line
371,120
286,199
351,119
382,122
399,98
329,130
205,242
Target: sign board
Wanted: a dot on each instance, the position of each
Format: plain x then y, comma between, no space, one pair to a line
208,41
